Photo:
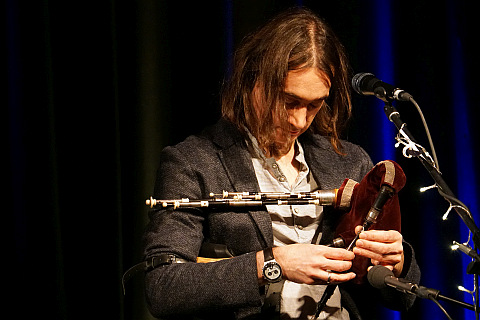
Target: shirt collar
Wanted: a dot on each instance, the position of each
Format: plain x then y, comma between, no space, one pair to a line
258,153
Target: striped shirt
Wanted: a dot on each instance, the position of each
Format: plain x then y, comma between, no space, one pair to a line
294,224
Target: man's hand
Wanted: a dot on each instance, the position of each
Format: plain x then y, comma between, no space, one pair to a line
382,247
311,264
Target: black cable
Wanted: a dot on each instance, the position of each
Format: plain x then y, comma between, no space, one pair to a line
427,132
441,307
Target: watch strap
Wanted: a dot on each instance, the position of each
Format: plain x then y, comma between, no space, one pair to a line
268,254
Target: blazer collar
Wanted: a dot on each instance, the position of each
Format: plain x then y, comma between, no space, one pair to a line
321,159
234,155
233,152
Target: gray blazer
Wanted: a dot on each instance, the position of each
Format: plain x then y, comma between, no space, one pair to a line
218,160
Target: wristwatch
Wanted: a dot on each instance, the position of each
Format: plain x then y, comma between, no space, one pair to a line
272,272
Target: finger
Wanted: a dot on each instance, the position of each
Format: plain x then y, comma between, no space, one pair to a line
358,229
378,263
335,278
338,254
338,266
380,246
333,259
381,235
383,248
384,259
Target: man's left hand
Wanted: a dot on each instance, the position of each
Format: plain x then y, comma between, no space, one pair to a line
382,247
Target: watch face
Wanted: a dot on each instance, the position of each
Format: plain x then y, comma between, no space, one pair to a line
272,271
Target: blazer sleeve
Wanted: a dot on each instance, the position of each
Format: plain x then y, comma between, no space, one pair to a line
191,288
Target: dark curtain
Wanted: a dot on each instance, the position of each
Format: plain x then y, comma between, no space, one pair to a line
95,89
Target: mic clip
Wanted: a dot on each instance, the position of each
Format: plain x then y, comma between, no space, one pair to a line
381,94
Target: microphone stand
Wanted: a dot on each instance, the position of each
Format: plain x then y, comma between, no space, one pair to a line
418,151
414,149
456,302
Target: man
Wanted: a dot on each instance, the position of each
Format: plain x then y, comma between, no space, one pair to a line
283,110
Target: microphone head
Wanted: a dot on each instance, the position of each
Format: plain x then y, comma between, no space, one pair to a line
376,276
360,82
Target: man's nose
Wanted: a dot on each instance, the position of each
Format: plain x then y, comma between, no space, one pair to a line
298,117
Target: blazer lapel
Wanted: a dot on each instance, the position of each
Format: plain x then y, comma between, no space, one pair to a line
328,167
321,165
238,165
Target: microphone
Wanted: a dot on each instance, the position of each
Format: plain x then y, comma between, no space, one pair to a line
367,84
381,277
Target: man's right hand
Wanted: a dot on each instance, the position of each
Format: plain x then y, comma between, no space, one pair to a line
311,264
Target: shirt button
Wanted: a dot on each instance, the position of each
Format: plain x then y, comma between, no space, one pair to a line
283,179
274,166
295,210
300,227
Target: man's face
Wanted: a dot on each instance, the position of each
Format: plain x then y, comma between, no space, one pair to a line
305,93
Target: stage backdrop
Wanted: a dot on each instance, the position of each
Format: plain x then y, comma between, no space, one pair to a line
95,89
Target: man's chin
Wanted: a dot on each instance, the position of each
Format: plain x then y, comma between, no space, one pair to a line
283,147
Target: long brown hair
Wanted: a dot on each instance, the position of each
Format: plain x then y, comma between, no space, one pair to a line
293,40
